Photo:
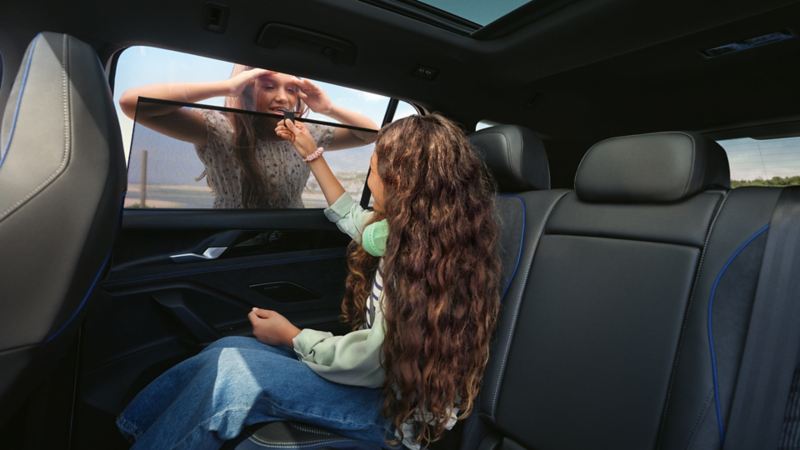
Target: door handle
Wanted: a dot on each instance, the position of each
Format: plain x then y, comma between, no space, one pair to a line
209,254
210,249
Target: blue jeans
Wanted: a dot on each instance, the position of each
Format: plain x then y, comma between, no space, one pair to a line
238,381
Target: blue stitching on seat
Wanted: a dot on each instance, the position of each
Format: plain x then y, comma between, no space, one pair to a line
24,83
521,244
717,280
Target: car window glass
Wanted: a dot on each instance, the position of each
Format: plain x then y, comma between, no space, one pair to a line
763,162
166,172
404,109
484,124
143,67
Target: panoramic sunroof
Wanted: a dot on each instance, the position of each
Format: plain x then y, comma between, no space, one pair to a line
476,18
481,12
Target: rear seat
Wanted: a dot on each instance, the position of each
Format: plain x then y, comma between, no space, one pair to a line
604,339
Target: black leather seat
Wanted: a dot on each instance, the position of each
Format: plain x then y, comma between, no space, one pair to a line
62,178
517,159
626,329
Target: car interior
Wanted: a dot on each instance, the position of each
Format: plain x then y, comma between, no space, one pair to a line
650,289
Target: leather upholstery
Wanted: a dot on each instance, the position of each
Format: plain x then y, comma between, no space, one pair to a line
689,417
282,435
515,156
605,339
651,168
62,180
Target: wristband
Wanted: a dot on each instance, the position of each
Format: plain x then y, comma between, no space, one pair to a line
312,156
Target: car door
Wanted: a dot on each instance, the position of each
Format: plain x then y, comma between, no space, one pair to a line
184,273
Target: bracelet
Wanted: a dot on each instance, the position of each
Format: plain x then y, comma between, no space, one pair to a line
316,154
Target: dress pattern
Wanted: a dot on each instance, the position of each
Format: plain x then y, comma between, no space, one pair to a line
284,173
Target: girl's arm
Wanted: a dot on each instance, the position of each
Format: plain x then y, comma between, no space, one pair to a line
318,101
349,217
185,124
344,138
297,133
353,359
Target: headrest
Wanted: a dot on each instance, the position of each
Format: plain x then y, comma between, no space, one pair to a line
651,168
515,156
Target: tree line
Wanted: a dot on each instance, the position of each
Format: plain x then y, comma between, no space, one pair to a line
774,181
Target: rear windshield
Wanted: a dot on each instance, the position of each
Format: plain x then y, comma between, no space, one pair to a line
763,162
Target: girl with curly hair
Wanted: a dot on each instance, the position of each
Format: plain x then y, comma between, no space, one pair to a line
421,297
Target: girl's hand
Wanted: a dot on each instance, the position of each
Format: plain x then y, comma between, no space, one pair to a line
314,97
297,133
237,84
272,328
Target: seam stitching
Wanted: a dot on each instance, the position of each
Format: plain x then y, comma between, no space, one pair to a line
65,156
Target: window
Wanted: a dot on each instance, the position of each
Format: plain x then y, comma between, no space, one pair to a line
763,162
404,110
167,167
484,124
477,11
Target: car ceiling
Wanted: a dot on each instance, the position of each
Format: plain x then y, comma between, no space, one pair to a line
586,70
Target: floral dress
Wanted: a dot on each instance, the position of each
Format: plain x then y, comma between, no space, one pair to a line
283,171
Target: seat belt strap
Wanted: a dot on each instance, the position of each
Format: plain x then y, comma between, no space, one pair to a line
773,336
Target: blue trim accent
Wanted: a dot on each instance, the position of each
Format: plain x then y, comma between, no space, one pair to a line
24,83
521,244
83,301
717,280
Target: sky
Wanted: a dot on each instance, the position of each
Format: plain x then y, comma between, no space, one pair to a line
481,12
763,158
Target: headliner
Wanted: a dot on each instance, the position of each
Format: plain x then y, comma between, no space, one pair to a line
583,71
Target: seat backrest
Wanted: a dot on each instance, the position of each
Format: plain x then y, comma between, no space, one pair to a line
62,178
709,359
516,158
587,350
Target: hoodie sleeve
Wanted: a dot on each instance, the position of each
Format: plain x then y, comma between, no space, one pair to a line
348,216
353,359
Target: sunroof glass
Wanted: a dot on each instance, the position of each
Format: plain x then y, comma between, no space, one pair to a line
482,12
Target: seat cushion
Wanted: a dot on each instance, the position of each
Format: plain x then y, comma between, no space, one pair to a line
283,435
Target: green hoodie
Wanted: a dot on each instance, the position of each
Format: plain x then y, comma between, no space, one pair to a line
354,358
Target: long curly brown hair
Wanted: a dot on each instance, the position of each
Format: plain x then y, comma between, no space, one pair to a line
441,272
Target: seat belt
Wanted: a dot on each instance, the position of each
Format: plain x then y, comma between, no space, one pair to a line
773,337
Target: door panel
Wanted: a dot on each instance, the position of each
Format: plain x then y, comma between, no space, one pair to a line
182,278
152,312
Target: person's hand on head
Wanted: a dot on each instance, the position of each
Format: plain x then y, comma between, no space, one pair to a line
238,83
314,97
271,327
297,133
